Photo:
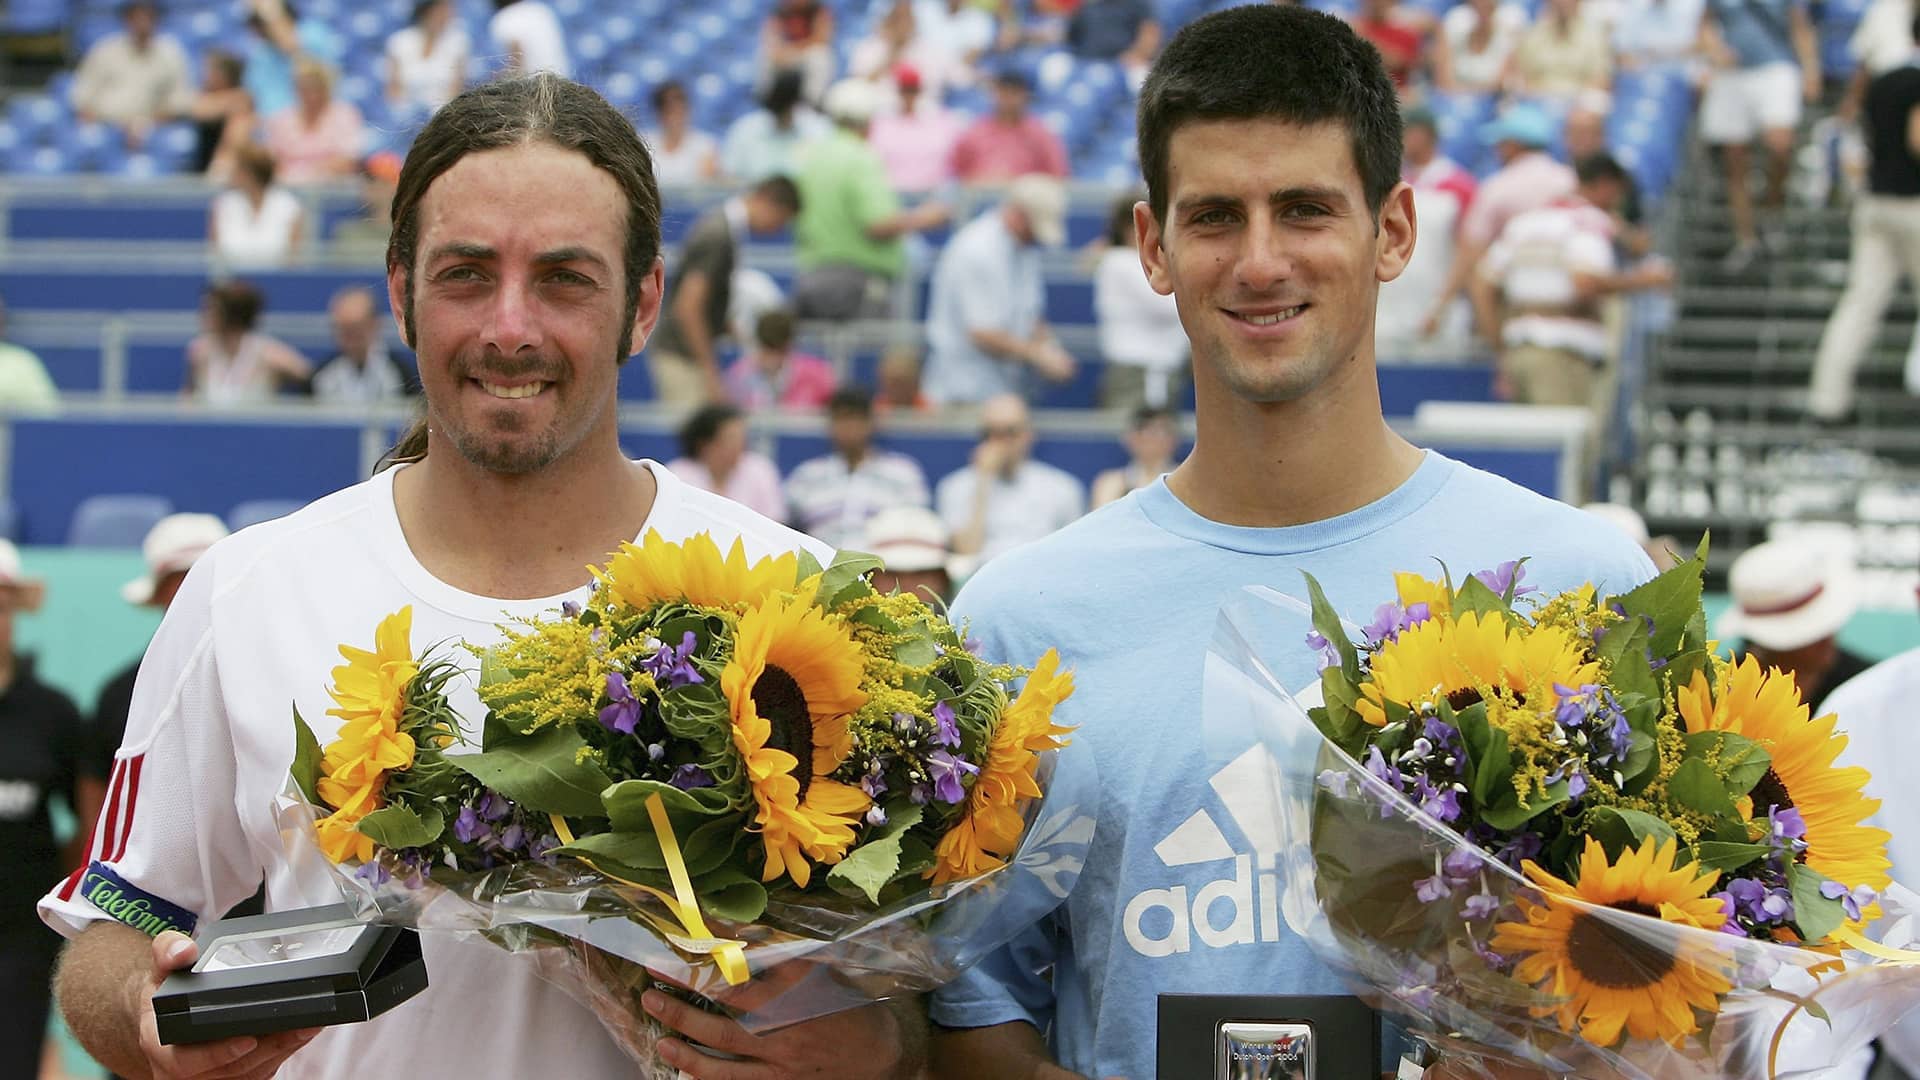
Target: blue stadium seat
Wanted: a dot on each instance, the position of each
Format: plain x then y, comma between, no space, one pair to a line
37,16
9,519
255,511
118,521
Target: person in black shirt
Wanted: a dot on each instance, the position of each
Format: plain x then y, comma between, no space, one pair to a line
42,731
1886,237
683,355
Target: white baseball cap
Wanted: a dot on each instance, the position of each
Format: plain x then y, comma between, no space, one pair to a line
908,539
1788,594
174,544
1044,200
27,592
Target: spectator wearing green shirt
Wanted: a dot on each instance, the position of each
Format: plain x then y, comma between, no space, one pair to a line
848,236
25,385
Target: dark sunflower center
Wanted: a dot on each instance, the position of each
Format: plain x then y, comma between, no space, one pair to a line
779,701
1464,698
1612,957
1770,791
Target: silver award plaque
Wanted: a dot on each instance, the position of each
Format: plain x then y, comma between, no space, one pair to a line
1261,1050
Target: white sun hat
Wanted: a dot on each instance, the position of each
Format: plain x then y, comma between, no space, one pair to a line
1788,594
174,544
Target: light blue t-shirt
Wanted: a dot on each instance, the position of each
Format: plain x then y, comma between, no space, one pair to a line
269,74
1759,32
1171,899
985,280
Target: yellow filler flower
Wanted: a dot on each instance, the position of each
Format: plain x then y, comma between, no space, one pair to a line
654,570
370,696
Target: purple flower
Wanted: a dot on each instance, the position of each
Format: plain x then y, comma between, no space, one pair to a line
656,751
1442,802
1756,901
948,772
1519,848
1390,619
688,777
1481,906
1728,912
1335,782
1788,825
623,712
570,609
373,874
920,794
973,645
1462,863
874,781
1576,785
1852,900
513,837
493,806
1427,890
671,667
1377,765
1505,578
946,730
902,724
468,828
1441,734
1329,656
876,817
543,844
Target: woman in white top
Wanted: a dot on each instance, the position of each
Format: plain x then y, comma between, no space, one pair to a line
682,156
254,223
1141,338
228,363
1475,41
427,60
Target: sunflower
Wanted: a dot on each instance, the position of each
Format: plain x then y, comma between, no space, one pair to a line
654,570
341,838
1459,659
986,836
793,681
1413,589
370,696
1765,706
1606,974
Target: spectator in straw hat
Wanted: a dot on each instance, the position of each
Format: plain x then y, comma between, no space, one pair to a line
1790,601
912,543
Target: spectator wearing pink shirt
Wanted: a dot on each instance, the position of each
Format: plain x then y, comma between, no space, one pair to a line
1009,142
773,375
316,138
915,142
715,458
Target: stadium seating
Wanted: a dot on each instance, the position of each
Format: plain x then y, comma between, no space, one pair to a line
116,520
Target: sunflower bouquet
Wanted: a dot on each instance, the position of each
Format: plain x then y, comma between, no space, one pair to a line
710,767
1562,830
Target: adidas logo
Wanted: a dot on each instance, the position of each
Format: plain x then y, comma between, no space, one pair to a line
1239,909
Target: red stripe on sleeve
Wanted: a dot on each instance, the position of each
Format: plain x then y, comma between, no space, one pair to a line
133,800
100,832
72,883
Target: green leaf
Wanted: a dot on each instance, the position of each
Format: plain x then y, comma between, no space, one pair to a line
306,759
807,565
1813,914
916,652
1337,719
1489,755
1507,814
873,616
1643,751
1672,600
1619,830
626,803
1717,855
732,895
1738,760
615,852
1326,622
870,867
398,827
1623,655
1695,786
542,772
846,579
709,846
494,669
1474,595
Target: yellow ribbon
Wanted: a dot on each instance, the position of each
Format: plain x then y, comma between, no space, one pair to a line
1852,939
691,934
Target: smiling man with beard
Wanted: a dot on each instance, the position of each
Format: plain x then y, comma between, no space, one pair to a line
525,268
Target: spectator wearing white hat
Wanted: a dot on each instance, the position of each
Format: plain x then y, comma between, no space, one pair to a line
987,330
912,543
1790,602
43,731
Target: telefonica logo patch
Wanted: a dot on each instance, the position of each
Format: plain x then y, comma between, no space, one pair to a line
1240,908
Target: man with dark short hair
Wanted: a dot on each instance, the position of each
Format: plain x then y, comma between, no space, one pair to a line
134,79
684,358
524,270
1270,143
834,496
1009,141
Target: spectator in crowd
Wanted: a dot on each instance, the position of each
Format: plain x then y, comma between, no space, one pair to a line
1474,44
1528,178
848,237
170,549
897,383
1663,550
364,236
987,330
362,371
1765,61
1543,281
797,37
319,137
714,457
834,497
1791,599
254,222
773,374
1124,31
1442,192
1008,142
896,41
1881,42
1562,54
1886,240
427,58
1657,34
911,543
221,113
1150,441
963,28
1400,36
915,139
25,386
683,155
229,362
765,142
280,36
683,356
42,764
136,78
528,34
1141,339
1004,498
